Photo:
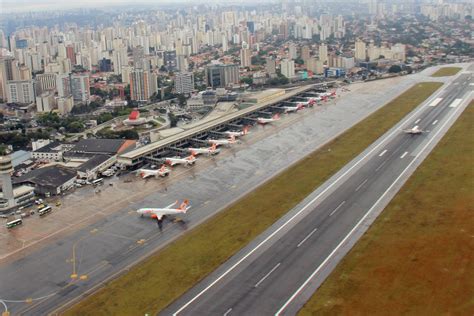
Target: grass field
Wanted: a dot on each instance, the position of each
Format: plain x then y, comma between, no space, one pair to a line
418,256
163,277
446,71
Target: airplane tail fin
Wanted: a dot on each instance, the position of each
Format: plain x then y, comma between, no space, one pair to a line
213,147
276,116
184,206
245,131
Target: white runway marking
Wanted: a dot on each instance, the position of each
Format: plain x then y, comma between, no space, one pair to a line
228,312
471,84
383,163
267,275
418,120
455,103
306,238
434,123
435,102
383,153
360,185
335,210
404,154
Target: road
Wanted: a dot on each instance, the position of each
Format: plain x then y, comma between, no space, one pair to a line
61,269
277,273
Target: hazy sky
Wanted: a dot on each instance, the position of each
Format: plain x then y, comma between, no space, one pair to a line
33,5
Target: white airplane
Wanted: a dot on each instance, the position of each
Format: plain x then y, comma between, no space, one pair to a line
289,109
213,150
414,131
162,172
244,132
190,160
328,94
159,213
265,120
218,142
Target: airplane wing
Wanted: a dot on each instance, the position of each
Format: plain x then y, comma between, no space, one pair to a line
171,205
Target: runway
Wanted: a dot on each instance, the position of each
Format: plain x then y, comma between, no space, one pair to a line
279,271
42,280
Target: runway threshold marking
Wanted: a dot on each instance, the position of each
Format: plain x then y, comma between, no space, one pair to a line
330,186
338,207
360,185
267,275
383,153
435,102
307,237
344,240
455,103
434,123
404,154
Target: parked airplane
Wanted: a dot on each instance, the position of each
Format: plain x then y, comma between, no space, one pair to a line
159,213
414,131
213,150
328,94
244,131
310,102
289,109
265,120
191,159
218,142
162,172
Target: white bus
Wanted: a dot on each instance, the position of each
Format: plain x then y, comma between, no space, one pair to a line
45,210
97,181
15,222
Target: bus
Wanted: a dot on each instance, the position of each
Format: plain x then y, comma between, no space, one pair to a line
15,222
97,181
45,210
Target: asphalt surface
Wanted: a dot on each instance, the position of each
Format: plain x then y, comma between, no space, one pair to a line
277,273
41,281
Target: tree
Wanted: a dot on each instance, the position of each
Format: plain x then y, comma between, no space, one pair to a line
181,100
395,69
247,80
173,119
75,127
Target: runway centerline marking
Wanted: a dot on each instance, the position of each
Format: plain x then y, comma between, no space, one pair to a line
338,207
267,275
404,154
383,153
305,283
330,186
360,185
307,237
455,103
434,123
228,312
417,121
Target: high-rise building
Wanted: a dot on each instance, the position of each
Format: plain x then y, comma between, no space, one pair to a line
221,76
65,105
21,91
169,60
292,54
287,68
323,53
184,82
45,102
71,54
245,55
305,53
80,88
360,50
270,66
8,71
182,63
5,169
138,56
63,85
142,84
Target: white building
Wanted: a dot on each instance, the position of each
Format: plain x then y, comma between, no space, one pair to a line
184,82
45,102
80,87
21,91
245,55
65,104
360,50
287,68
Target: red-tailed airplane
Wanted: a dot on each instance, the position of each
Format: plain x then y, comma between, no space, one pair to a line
265,120
243,132
160,213
162,172
289,109
213,150
218,142
190,160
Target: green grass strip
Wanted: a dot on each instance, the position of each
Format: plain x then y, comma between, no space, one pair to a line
418,256
446,72
163,277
